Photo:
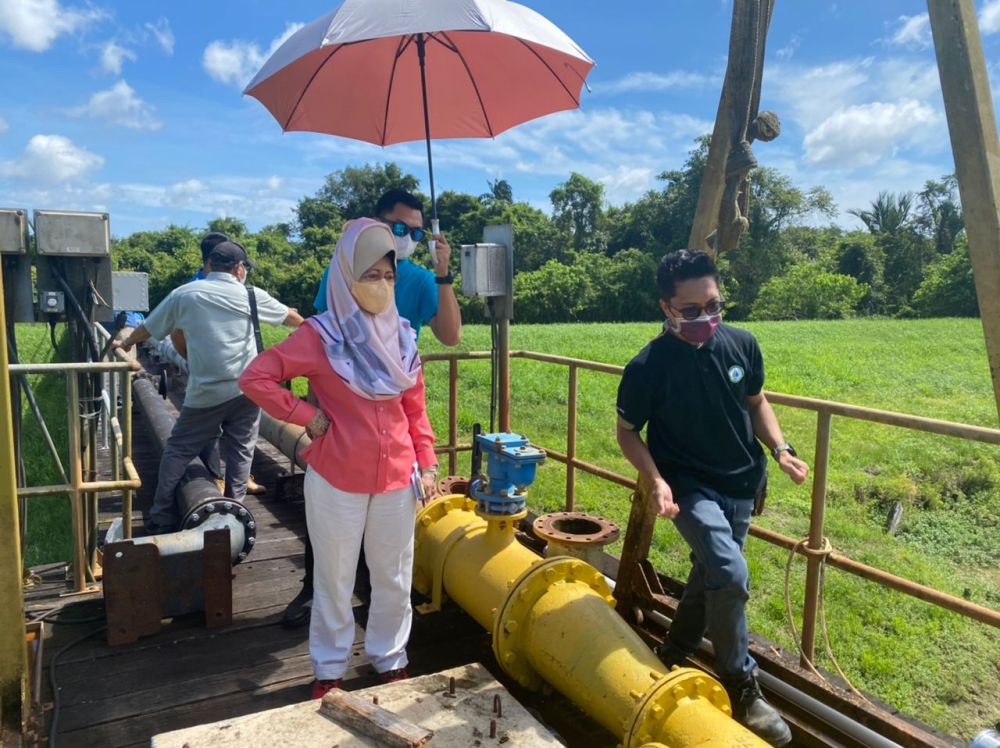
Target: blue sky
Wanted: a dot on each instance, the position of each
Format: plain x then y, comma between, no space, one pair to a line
135,107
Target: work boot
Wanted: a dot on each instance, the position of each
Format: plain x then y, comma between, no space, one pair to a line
254,488
669,655
155,528
299,610
753,712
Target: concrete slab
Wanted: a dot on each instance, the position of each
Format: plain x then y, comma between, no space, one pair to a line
462,721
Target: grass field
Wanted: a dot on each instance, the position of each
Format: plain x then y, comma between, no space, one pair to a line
929,663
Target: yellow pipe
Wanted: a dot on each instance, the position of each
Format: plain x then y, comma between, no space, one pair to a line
13,653
553,627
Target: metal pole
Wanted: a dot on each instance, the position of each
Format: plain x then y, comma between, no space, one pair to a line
972,125
13,654
503,333
815,543
127,449
421,55
571,441
452,415
75,481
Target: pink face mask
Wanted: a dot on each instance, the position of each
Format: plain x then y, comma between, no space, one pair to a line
698,330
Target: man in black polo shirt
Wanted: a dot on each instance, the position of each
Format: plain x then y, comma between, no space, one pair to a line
698,386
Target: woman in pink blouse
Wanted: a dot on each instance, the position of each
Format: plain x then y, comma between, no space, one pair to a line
372,450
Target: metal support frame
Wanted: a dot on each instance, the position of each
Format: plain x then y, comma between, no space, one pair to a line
13,652
635,572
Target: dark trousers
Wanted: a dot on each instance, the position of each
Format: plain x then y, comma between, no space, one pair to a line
715,527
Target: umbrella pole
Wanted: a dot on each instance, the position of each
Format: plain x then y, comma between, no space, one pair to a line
427,127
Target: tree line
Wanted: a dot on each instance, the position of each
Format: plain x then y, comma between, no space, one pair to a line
587,261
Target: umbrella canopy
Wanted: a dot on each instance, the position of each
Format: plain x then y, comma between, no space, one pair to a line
391,71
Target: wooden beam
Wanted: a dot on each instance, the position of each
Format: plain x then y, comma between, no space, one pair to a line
972,125
372,720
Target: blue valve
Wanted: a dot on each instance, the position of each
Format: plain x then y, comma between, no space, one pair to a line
511,463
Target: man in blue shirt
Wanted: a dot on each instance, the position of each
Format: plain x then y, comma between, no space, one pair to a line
422,297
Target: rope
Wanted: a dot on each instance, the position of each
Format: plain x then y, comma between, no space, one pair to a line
822,552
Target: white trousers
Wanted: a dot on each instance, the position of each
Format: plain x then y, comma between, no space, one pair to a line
337,523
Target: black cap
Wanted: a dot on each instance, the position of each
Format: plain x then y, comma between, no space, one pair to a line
228,254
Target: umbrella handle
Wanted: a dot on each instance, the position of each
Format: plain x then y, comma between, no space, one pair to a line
435,230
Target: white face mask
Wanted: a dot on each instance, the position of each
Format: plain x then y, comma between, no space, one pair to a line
404,246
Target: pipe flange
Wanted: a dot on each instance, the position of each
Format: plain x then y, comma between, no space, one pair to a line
527,589
221,505
576,528
663,697
454,484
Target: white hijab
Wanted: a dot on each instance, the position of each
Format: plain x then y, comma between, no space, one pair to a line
375,354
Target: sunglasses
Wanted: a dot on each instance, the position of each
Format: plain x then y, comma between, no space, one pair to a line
400,229
693,311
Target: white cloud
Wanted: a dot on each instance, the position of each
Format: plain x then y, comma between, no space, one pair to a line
163,34
51,158
809,94
864,134
645,81
113,55
786,52
4,127
35,24
989,17
236,62
119,105
912,31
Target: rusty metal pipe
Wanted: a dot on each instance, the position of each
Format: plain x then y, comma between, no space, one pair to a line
198,498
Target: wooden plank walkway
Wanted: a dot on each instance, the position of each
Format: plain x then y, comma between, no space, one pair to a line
187,674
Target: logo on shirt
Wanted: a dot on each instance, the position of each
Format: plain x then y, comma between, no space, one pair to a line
736,374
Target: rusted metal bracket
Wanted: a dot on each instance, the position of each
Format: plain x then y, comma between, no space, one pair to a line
141,587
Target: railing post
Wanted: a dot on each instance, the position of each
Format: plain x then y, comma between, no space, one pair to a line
571,440
126,423
816,538
503,333
452,415
75,479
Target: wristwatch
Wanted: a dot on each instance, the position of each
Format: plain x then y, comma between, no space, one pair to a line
444,280
786,447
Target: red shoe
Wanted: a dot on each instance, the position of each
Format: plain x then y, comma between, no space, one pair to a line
391,676
320,687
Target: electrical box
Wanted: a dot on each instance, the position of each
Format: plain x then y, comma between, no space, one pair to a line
13,231
52,302
130,291
67,233
484,269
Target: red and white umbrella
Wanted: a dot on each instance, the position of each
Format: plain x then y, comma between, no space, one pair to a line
392,71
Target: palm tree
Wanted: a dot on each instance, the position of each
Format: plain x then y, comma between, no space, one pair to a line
888,214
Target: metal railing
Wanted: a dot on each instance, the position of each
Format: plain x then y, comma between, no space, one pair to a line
116,410
813,549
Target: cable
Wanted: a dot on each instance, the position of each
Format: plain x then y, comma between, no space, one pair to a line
823,552
54,684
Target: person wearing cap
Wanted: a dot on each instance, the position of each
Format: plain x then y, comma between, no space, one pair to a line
215,316
210,456
372,453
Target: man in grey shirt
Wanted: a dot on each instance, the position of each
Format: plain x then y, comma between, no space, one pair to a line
215,317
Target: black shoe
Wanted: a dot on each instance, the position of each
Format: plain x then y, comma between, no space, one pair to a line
299,610
669,655
753,712
155,528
